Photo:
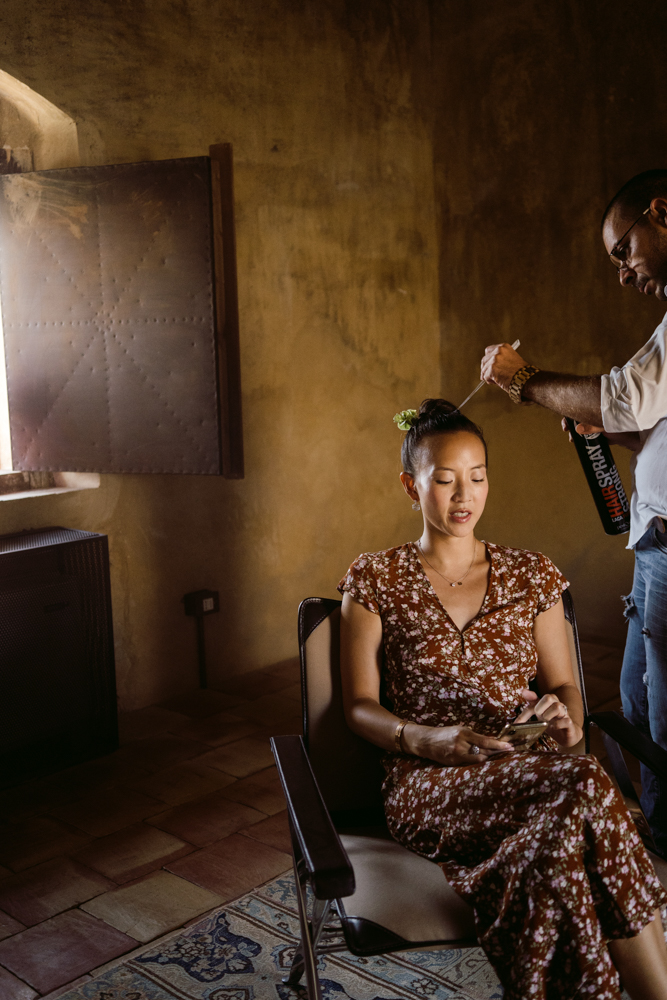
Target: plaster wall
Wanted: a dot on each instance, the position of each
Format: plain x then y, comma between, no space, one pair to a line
337,262
413,181
544,110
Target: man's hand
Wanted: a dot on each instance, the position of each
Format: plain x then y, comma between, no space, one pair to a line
576,396
581,428
628,439
500,363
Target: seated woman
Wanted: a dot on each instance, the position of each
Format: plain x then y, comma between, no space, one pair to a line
537,841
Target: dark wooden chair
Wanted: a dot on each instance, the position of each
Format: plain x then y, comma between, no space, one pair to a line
385,898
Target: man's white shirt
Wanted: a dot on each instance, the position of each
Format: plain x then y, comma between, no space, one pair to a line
634,398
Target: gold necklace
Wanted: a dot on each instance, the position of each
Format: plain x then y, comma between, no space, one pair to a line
455,583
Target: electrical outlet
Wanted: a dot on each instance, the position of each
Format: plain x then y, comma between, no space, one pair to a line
201,602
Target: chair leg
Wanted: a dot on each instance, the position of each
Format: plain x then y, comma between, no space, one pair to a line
305,959
619,767
622,775
316,925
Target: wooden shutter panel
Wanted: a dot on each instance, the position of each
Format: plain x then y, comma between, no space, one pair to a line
120,327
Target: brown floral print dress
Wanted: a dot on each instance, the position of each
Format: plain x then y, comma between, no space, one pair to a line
538,842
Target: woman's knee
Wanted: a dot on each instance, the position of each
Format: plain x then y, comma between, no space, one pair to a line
583,778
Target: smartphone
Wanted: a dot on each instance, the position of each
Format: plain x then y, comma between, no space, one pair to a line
522,734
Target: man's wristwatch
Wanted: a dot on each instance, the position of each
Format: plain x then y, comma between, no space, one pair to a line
519,379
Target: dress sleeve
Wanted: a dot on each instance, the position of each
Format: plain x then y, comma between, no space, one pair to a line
549,585
360,583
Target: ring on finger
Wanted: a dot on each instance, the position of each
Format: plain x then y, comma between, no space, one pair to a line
474,748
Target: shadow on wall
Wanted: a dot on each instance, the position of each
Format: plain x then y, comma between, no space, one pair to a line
546,129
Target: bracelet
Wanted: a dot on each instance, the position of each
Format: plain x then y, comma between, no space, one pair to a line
397,737
519,379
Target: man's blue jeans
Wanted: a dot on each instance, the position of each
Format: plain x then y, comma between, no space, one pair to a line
644,673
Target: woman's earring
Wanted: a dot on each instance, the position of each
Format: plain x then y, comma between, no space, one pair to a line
416,505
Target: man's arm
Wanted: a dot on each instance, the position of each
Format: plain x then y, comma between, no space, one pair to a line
576,396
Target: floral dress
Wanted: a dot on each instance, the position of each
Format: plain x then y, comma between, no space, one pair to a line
538,842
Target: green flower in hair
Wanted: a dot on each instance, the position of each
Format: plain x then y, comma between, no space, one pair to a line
406,419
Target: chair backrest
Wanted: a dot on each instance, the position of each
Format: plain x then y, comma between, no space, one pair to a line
348,768
575,651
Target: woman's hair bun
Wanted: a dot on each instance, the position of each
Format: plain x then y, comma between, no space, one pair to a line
435,416
431,408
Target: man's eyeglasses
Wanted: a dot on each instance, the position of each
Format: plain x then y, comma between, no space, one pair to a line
618,253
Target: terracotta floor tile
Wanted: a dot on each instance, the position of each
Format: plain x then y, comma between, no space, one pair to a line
39,839
613,705
41,892
160,752
221,728
112,769
9,926
106,811
146,722
273,831
592,651
66,987
262,791
256,683
201,703
183,782
12,988
24,801
288,670
60,949
52,790
600,690
152,906
275,711
609,667
208,819
240,758
293,692
140,949
232,866
132,852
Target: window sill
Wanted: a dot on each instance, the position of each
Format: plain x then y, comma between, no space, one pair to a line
64,482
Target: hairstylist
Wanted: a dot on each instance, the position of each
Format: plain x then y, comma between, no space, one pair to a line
630,405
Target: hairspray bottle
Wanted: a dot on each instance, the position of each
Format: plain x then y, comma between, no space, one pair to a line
603,480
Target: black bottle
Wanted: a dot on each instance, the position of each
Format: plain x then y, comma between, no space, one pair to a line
603,479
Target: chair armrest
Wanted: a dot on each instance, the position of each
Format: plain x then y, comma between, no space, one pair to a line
331,874
631,739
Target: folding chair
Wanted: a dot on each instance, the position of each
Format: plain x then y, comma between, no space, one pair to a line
385,897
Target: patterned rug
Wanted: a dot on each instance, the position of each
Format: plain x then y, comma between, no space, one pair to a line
242,952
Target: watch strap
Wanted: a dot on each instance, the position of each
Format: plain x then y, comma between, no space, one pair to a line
519,380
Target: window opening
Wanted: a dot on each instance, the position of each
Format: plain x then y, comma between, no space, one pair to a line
5,434
34,135
190,415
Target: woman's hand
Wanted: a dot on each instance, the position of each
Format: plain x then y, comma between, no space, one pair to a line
550,709
451,745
